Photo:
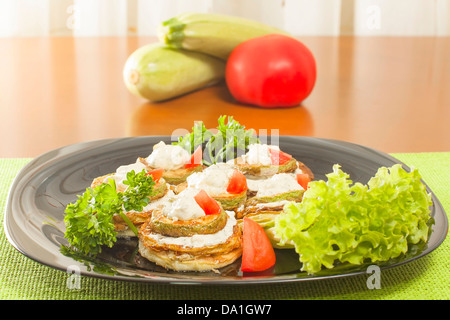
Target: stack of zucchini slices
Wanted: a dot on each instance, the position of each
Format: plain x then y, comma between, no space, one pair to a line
272,179
181,237
193,219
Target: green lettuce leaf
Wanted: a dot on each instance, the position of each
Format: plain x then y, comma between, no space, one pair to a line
339,221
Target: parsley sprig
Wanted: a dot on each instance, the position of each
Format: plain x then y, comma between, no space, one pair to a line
230,140
89,220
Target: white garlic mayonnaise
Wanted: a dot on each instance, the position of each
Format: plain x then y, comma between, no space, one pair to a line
121,174
183,206
259,154
159,203
168,156
214,179
278,183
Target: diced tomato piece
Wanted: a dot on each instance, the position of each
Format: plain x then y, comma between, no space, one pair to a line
156,174
303,180
237,183
279,157
257,251
196,158
208,204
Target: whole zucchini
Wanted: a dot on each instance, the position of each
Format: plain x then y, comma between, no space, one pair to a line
156,72
213,34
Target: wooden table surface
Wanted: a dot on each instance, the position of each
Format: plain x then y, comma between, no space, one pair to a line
388,93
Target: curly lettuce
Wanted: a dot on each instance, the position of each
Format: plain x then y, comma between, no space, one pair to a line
339,221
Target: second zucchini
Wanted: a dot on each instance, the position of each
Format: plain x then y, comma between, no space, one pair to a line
156,72
213,34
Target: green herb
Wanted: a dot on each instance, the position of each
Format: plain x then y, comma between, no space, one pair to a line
195,138
89,221
230,140
340,222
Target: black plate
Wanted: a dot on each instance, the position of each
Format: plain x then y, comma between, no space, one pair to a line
34,220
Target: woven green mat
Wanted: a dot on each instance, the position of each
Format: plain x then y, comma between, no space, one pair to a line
425,278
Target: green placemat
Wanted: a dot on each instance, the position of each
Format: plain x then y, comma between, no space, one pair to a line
425,278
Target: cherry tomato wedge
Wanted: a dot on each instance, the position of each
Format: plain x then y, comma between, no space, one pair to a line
303,180
279,157
257,251
208,204
237,183
196,158
156,174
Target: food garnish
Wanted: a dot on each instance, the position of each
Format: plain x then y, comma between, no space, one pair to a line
279,157
338,221
89,220
303,179
238,183
257,251
207,203
230,140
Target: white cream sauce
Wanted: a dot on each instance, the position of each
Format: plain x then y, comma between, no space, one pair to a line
278,183
121,174
259,154
183,206
159,203
254,183
200,240
168,157
214,179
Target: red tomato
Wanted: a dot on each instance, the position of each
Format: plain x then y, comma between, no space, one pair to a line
196,158
257,251
208,204
278,157
156,174
271,71
303,180
238,183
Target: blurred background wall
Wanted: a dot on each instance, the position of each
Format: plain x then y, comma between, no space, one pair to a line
32,18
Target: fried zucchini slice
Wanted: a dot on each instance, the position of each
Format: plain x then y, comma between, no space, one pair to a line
208,224
259,170
305,169
294,195
229,201
269,204
177,176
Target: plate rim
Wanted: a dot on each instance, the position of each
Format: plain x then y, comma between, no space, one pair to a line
53,156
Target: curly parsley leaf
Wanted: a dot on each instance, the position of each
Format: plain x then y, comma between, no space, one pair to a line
231,140
89,220
139,188
228,141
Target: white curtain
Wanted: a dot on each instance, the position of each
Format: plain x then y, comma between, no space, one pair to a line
28,18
